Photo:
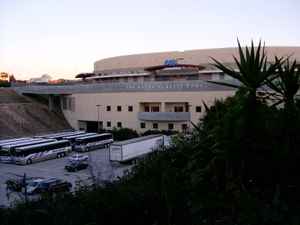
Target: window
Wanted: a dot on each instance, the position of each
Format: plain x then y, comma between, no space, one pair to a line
119,108
170,126
178,109
198,108
162,78
155,126
108,124
184,127
130,108
147,78
68,103
193,77
119,124
108,108
155,109
147,109
143,125
64,103
72,104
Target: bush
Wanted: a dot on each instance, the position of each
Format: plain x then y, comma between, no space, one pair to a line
124,134
164,132
4,84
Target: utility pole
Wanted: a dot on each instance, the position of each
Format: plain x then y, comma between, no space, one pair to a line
24,184
98,118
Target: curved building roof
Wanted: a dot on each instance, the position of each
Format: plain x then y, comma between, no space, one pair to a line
195,57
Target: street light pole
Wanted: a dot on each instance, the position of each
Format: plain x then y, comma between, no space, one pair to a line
98,118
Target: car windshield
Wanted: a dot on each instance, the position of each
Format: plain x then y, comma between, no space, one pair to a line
33,183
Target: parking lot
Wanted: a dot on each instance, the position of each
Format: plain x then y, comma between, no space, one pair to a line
100,167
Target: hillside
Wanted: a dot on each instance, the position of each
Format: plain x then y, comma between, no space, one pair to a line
21,116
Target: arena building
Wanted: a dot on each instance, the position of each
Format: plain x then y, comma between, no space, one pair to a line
160,91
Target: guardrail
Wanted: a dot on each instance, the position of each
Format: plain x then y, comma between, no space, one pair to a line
149,86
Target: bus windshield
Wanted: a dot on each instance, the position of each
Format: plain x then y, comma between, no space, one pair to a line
4,153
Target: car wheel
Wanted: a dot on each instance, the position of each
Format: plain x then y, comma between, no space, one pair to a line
58,155
29,161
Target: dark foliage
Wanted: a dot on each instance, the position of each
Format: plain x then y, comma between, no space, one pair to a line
122,134
5,84
165,132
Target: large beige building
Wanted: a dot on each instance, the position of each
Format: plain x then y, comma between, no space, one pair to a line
163,91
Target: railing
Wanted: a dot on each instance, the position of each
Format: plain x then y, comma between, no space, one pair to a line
164,116
149,86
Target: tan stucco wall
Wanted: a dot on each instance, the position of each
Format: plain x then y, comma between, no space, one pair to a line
86,110
198,56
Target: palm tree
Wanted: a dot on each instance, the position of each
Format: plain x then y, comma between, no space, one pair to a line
286,83
252,70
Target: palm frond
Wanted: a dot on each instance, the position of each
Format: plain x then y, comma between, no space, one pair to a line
224,83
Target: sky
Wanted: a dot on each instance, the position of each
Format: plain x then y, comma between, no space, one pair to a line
65,37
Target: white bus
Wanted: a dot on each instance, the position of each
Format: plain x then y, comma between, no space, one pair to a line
21,140
83,144
72,138
12,140
66,134
38,152
7,150
51,134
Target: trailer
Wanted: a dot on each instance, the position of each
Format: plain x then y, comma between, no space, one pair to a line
135,148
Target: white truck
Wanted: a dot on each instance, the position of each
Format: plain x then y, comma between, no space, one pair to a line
137,147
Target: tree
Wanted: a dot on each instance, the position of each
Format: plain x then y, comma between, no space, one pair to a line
252,70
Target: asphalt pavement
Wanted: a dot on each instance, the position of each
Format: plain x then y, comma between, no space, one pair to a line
99,167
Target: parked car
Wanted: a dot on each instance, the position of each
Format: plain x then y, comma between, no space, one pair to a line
76,165
18,184
78,158
48,185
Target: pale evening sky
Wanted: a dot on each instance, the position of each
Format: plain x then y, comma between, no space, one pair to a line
63,38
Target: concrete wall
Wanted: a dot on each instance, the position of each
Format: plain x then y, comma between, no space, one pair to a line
85,107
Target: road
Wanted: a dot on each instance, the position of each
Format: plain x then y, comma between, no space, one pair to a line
100,167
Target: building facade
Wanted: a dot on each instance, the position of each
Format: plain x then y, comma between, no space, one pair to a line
156,91
138,110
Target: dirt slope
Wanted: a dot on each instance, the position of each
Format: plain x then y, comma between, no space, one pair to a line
20,116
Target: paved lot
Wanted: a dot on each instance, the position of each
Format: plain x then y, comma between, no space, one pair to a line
100,167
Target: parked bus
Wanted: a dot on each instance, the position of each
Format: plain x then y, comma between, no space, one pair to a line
39,152
66,134
73,137
83,144
15,142
58,133
7,150
12,140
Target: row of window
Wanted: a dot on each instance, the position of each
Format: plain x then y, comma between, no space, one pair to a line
108,124
143,125
170,126
119,108
153,108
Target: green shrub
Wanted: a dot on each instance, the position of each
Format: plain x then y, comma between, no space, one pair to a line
4,84
124,134
164,132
